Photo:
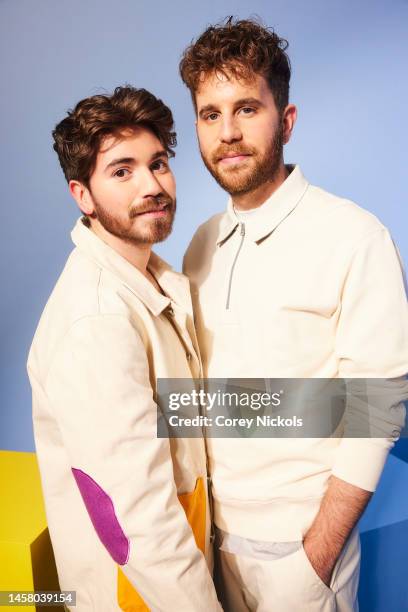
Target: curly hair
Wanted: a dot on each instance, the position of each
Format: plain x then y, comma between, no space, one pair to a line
77,138
239,48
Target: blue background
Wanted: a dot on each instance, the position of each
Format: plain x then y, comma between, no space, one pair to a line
351,90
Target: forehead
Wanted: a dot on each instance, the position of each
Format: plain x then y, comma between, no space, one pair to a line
138,141
217,87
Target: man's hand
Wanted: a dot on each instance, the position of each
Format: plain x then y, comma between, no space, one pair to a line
317,561
341,508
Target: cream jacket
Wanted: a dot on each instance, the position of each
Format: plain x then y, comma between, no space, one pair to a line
116,496
312,287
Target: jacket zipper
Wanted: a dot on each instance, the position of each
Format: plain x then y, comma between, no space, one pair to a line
242,234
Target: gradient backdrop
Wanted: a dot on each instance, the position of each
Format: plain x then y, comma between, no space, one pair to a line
351,90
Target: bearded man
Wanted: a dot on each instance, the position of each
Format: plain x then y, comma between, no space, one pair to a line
121,503
291,282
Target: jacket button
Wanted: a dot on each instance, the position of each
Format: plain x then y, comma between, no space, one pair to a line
170,310
189,356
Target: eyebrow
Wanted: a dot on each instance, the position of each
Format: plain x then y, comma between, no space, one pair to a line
120,160
158,154
132,161
242,102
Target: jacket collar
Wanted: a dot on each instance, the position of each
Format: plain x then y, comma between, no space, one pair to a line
272,212
175,285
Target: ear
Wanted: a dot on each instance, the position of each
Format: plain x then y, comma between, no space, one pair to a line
288,119
82,196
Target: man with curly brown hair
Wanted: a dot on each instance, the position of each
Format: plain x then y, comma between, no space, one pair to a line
127,512
289,282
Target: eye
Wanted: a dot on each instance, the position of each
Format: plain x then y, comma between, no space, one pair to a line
121,172
160,165
211,117
247,110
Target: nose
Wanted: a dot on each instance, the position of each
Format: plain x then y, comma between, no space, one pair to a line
149,185
229,130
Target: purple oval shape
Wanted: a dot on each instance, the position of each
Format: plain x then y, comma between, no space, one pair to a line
102,514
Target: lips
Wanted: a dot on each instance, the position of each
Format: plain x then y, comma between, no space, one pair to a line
233,158
228,155
157,210
233,154
155,213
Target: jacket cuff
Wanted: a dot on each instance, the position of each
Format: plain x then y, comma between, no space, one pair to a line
360,461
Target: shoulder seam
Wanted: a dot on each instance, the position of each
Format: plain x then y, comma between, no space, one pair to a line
382,229
362,242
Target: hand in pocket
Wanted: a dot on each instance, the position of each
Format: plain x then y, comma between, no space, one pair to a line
321,567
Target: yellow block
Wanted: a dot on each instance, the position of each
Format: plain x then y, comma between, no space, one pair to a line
26,557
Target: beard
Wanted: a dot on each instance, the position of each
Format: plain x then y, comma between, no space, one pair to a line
247,176
137,229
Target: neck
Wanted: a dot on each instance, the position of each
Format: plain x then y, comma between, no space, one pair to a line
258,196
136,254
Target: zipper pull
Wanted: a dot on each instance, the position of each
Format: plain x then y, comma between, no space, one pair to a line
242,230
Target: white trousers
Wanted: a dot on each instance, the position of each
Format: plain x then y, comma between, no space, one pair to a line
288,584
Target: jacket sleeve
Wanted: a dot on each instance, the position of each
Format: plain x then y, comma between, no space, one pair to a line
372,345
99,388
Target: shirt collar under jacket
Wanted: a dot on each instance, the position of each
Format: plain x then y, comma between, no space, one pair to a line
276,208
175,285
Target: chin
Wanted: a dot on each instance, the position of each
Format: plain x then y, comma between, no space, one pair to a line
155,235
236,187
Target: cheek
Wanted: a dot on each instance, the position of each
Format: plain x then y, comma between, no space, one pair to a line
206,139
103,190
114,197
261,132
168,183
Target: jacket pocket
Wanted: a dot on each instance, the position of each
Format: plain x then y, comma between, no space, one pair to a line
194,505
312,574
128,598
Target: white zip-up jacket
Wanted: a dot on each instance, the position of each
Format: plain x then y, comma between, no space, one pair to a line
311,288
118,498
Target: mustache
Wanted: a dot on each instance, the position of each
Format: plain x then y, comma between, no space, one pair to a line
152,203
225,149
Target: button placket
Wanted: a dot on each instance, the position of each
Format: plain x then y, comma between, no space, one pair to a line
179,325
